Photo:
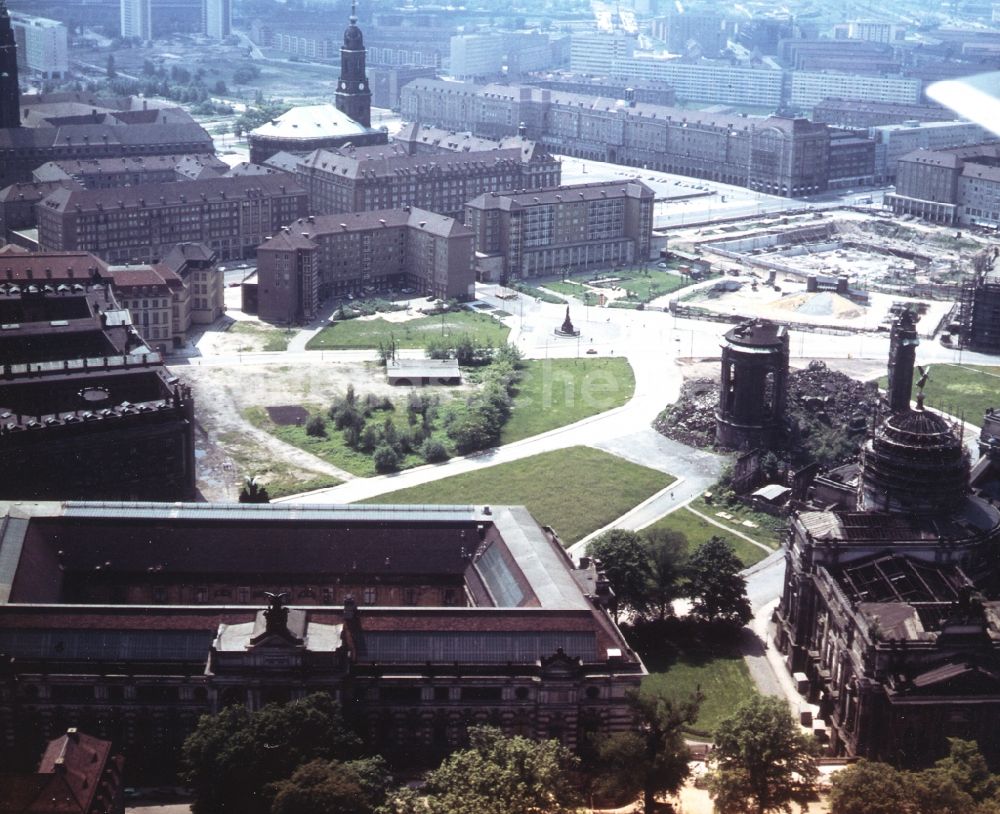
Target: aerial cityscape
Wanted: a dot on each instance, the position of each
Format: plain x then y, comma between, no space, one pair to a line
496,408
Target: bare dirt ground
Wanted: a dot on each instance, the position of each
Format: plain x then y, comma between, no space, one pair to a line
229,448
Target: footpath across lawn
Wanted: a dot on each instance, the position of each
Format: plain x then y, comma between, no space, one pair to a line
698,531
575,490
412,333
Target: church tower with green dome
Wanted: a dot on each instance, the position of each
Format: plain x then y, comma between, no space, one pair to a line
354,95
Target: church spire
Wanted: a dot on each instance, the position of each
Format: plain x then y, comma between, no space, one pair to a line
354,96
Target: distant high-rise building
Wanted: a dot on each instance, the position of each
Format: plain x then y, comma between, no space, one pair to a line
10,95
137,19
217,18
354,96
42,45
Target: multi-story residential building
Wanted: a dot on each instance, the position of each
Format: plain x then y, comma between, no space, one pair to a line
137,19
476,56
419,620
809,88
105,173
956,186
777,155
893,141
158,301
198,266
217,18
871,31
232,216
316,257
89,411
388,178
654,93
862,114
17,205
847,56
41,45
595,52
852,159
530,234
682,28
102,128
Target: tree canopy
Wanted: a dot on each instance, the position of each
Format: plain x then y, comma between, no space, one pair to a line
626,563
332,787
667,551
653,760
762,762
960,783
717,589
497,775
231,758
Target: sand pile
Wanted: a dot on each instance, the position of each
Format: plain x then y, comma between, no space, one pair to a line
820,304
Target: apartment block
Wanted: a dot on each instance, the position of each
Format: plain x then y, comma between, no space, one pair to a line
217,18
809,88
778,155
370,178
893,141
42,45
231,216
861,113
136,19
475,56
326,255
956,186
530,234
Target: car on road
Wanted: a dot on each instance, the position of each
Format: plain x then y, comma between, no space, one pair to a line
591,351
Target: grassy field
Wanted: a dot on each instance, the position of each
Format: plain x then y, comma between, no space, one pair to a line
556,392
274,338
720,673
961,391
769,529
698,531
651,284
414,333
575,490
532,291
331,448
567,287
279,478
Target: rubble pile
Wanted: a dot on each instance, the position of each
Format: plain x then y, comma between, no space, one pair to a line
691,419
828,414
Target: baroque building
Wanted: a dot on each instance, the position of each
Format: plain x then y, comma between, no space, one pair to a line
131,620
890,614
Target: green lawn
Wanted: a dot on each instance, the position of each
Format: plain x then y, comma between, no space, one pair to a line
332,447
966,390
575,490
720,673
698,531
555,392
532,291
567,287
769,531
414,333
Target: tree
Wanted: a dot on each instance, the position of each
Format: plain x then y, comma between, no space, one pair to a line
717,590
497,775
332,787
870,788
231,758
652,761
762,761
667,552
626,562
316,427
252,492
385,458
110,69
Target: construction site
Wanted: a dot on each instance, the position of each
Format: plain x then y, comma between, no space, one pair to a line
840,269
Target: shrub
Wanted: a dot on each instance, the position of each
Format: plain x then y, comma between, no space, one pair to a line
385,459
316,427
433,451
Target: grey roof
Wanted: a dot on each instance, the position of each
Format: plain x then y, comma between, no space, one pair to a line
562,194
